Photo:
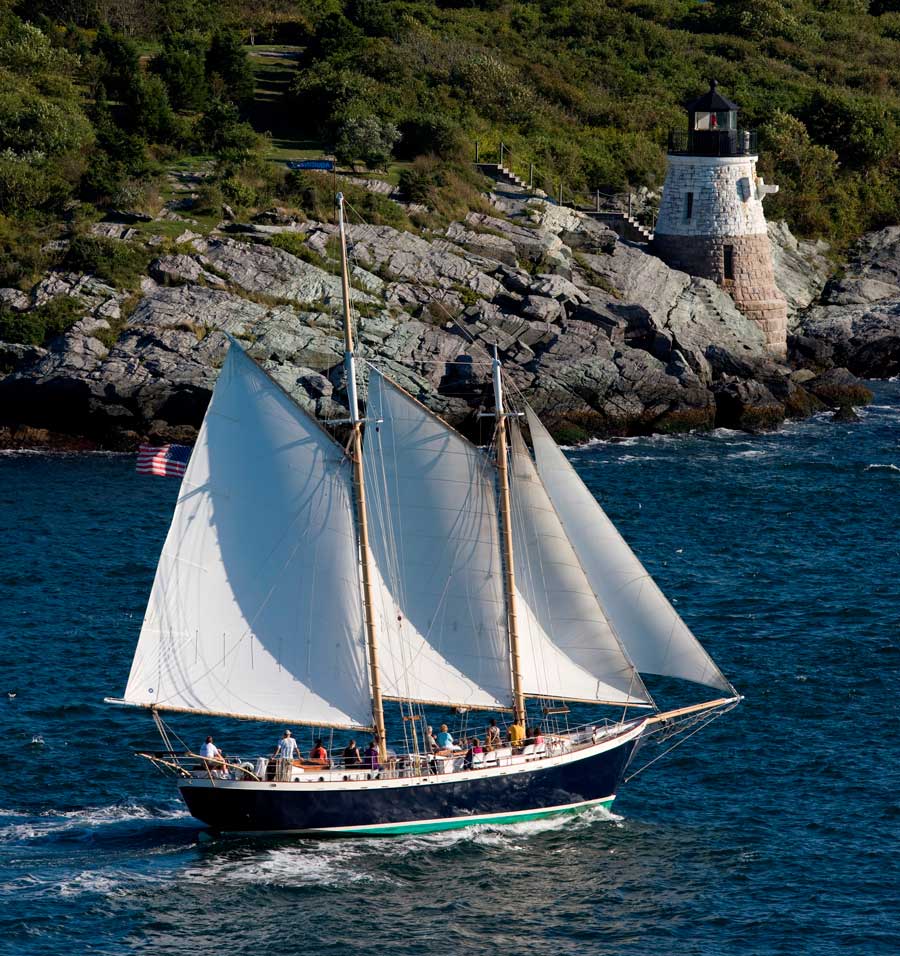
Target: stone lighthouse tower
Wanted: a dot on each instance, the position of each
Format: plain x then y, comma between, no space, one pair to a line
711,221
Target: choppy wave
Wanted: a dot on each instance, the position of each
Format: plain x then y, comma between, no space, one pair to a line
307,863
31,826
879,467
749,453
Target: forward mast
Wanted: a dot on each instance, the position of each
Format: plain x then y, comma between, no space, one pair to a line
359,486
506,536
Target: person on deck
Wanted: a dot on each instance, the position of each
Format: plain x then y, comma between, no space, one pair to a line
209,751
430,743
445,739
319,754
493,736
370,757
515,734
351,755
474,748
286,748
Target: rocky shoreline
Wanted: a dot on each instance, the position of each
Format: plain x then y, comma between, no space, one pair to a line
600,336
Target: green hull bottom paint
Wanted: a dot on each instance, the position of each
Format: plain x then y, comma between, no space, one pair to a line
457,823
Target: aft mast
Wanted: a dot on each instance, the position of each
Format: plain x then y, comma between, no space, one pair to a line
506,534
360,492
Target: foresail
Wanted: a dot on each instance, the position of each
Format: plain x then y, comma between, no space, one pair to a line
569,651
434,541
256,610
655,637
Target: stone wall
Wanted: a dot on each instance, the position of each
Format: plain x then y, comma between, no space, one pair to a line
725,200
752,286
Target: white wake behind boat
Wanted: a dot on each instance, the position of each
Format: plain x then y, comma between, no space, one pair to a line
308,583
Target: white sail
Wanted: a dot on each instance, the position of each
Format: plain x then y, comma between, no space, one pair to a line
256,608
569,651
434,540
655,637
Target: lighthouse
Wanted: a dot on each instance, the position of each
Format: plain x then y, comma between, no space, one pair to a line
711,222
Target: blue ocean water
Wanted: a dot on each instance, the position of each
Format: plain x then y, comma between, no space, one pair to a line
777,830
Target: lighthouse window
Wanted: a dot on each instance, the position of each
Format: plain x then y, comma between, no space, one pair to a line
689,206
728,263
720,119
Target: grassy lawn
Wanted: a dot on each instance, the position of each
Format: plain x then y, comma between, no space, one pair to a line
274,66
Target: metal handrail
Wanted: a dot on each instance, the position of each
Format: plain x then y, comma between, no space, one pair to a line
555,190
712,142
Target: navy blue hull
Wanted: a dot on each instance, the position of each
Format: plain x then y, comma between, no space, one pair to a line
283,807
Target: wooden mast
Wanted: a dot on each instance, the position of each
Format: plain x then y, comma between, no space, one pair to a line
360,490
509,577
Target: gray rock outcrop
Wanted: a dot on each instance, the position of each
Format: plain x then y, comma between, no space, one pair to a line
801,267
857,322
599,335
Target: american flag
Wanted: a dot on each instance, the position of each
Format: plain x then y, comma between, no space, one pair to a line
166,460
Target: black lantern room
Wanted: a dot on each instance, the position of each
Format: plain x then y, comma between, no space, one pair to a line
712,128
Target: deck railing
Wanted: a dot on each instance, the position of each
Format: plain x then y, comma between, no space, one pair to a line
712,142
400,765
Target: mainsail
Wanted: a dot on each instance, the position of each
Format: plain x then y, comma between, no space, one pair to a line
655,637
255,609
570,652
434,540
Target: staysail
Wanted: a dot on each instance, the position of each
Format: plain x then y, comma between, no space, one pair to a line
434,540
655,637
255,609
569,650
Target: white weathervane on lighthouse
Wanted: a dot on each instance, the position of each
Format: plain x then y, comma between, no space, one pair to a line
711,222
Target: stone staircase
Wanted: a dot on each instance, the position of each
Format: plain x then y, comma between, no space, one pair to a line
502,174
621,223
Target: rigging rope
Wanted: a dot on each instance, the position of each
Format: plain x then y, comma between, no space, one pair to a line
703,723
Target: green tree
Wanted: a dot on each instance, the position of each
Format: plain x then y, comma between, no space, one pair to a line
228,70
221,131
152,117
366,138
118,155
326,90
182,67
119,68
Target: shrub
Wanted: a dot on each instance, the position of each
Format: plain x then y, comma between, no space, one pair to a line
251,183
450,191
221,131
40,325
209,200
119,263
431,134
296,246
31,181
23,251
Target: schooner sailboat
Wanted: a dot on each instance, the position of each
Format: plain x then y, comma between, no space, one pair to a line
307,583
